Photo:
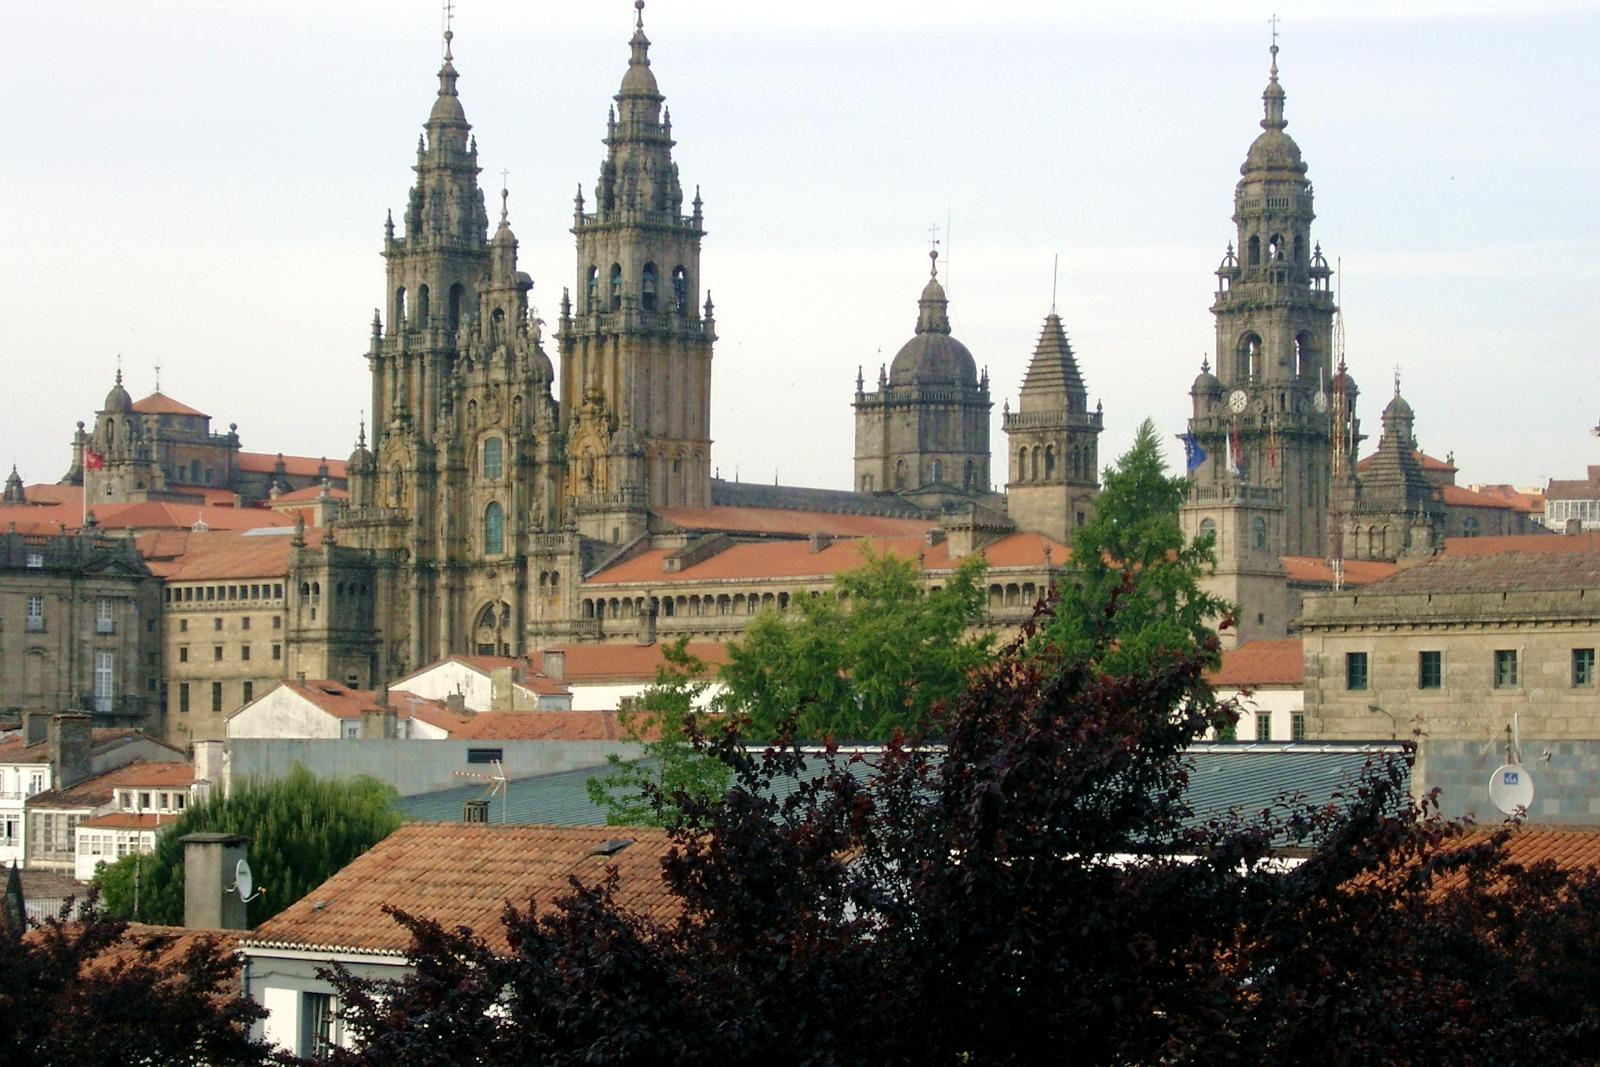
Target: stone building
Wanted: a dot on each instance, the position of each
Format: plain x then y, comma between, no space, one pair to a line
1460,644
160,449
1569,500
1262,431
79,617
924,432
1053,441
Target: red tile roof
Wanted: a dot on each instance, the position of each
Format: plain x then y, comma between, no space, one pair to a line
1425,461
1261,663
462,874
92,792
1533,544
626,663
1512,497
310,494
541,726
189,556
782,521
798,561
161,404
1460,497
299,466
342,702
128,820
1313,570
1558,489
156,515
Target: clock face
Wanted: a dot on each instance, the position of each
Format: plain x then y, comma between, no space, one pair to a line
1320,401
1238,400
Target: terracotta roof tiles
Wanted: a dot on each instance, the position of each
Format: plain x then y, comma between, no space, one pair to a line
298,466
1533,544
462,874
1313,570
1261,663
751,520
1508,572
159,403
541,726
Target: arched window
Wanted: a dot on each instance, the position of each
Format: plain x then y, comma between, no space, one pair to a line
1303,362
592,292
1049,461
680,290
1208,528
494,530
457,292
616,287
1258,532
647,288
422,305
900,474
1254,255
1250,356
966,479
497,326
938,471
1275,248
397,318
493,458
1299,249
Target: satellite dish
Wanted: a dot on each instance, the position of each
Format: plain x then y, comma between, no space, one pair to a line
1511,788
242,879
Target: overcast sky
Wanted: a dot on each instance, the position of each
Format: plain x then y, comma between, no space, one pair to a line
204,185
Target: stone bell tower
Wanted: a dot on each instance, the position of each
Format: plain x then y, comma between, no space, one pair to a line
635,340
1261,423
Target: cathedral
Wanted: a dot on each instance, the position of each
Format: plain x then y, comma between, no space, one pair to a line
489,488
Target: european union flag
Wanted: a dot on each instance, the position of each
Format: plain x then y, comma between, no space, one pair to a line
1193,454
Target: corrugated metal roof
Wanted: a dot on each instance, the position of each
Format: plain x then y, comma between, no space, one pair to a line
1249,778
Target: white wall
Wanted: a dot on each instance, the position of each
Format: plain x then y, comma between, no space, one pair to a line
607,696
1282,703
282,712
442,679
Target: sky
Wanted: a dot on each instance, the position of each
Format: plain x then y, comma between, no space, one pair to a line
203,186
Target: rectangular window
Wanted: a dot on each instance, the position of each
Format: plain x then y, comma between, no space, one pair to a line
144,801
1297,726
249,692
277,651
216,652
1355,671
216,696
35,560
183,626
178,801
1505,668
183,696
1583,666
105,680
104,622
36,613
216,624
1430,670
277,622
316,1024
244,651
485,755
183,653
1263,726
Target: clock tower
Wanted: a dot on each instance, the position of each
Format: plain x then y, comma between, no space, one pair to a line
1261,432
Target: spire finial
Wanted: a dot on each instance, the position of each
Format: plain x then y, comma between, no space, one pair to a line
158,376
638,16
1055,275
449,34
933,253
1273,21
361,434
119,368
505,195
1205,363
1397,379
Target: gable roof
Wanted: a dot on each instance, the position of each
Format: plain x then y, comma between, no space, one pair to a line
211,555
541,726
92,792
1259,663
464,874
159,403
1314,570
342,702
1531,544
298,466
1508,572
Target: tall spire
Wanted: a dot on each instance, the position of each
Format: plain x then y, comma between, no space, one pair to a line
1272,98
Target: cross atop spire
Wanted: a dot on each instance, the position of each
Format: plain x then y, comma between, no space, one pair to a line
638,17
505,195
933,254
158,376
1397,379
449,18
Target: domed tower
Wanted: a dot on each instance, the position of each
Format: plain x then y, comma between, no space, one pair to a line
1261,423
1053,440
1392,501
117,459
925,431
636,343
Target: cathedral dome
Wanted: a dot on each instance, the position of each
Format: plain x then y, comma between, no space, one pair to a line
447,110
932,356
1273,150
1397,408
1205,383
118,399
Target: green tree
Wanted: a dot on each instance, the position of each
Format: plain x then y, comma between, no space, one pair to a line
301,829
1132,591
873,658
671,770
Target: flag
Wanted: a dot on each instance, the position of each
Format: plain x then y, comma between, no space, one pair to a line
1238,452
92,460
1193,454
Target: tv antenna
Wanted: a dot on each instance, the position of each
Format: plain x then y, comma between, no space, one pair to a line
244,882
498,785
1511,785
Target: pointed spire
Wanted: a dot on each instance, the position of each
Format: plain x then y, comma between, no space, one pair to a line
361,434
1272,98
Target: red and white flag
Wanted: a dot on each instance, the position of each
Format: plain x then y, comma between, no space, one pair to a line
92,460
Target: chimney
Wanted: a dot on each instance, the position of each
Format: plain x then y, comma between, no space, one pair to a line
69,741
211,897
555,664
501,686
382,694
35,727
456,702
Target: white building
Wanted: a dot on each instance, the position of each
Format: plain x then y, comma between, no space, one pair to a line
329,710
